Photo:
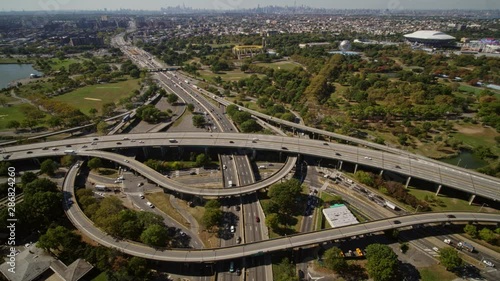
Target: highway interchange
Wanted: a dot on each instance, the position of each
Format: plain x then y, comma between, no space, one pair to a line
239,171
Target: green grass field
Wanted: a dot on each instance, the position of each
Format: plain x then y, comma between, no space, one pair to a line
436,273
9,113
286,65
445,203
57,64
477,135
96,95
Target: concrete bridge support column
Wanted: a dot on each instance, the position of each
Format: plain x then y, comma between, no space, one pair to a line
407,182
254,154
340,166
145,150
163,151
381,172
439,189
472,199
206,150
355,168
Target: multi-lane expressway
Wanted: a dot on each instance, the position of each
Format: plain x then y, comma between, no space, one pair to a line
257,248
455,177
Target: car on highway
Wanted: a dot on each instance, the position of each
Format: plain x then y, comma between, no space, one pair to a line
238,208
488,263
93,143
45,148
126,160
238,240
118,143
55,148
84,146
325,143
397,222
141,196
150,204
257,219
95,139
29,152
233,229
284,148
70,202
368,158
238,272
68,145
192,173
231,141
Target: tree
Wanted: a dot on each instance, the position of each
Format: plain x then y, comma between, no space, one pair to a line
102,126
334,260
68,160
286,271
59,239
108,108
155,236
39,185
487,235
135,73
449,258
93,112
199,121
211,217
202,160
250,126
27,178
190,107
55,121
94,163
382,262
172,98
13,124
48,167
212,204
273,221
471,230
284,195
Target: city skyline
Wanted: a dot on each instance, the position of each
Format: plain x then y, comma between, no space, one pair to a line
54,5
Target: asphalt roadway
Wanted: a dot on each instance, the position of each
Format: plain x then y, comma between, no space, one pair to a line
455,177
86,226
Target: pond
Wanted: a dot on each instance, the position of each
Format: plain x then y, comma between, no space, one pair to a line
466,159
13,72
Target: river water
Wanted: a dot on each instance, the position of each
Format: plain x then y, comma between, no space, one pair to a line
466,160
12,72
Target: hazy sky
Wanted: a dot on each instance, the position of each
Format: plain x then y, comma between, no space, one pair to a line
7,5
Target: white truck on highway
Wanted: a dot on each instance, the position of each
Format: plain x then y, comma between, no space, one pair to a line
69,151
229,183
390,205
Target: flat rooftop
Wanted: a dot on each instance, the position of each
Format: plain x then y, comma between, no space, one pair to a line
338,215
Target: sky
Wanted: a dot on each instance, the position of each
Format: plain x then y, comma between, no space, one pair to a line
30,5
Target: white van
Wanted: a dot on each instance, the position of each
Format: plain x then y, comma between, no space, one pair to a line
262,167
150,204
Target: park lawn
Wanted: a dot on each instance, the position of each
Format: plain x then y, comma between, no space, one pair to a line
233,75
285,65
209,239
436,273
37,87
96,95
57,64
162,202
446,203
8,114
477,135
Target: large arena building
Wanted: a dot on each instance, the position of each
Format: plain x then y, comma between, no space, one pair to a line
431,38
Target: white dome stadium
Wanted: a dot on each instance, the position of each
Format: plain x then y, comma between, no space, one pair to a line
430,37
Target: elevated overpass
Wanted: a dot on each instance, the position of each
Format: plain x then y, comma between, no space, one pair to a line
440,173
87,227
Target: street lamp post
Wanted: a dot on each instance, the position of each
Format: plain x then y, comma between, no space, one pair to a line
416,210
484,204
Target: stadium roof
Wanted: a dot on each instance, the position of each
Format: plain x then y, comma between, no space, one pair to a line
429,35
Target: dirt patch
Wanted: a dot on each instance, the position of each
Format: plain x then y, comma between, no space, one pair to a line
476,130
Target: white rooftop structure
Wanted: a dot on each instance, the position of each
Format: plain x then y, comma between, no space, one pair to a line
429,35
339,215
